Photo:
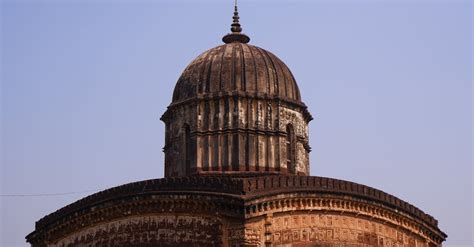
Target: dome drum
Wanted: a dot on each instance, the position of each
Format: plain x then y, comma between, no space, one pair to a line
231,134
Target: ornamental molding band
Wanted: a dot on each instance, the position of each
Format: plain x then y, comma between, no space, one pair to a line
237,174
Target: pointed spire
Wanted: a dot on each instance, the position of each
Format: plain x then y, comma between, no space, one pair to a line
236,35
235,27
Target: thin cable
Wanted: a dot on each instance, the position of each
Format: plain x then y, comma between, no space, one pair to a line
48,194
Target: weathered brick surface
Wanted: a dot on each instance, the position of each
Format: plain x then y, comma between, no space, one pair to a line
237,211
236,108
154,230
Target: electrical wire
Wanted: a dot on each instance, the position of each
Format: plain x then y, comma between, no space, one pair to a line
49,194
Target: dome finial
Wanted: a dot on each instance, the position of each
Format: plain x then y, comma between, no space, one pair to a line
235,27
236,35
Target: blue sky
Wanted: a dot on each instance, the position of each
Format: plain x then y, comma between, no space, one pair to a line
85,82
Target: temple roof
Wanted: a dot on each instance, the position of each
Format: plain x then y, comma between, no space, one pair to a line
240,187
237,67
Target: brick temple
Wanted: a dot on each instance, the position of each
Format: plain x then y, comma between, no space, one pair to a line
237,173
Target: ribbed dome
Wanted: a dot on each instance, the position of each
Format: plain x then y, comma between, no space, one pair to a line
234,68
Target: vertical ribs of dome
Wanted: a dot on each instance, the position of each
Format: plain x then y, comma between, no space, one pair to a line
231,112
220,70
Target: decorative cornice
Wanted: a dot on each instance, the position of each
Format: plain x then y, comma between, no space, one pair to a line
241,189
242,95
340,204
196,203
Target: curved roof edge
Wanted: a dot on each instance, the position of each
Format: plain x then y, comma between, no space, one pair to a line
245,187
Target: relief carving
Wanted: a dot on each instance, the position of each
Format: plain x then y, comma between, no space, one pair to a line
259,119
241,118
155,230
337,229
269,116
199,117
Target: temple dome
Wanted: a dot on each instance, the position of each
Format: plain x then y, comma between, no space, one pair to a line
237,68
236,109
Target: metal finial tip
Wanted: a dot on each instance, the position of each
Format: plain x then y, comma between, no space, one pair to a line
235,27
236,34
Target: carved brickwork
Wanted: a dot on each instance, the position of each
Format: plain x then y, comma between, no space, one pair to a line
244,236
174,149
295,118
298,229
236,134
163,230
237,212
